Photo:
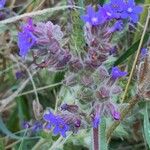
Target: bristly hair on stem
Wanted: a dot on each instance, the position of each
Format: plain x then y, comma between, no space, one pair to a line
95,139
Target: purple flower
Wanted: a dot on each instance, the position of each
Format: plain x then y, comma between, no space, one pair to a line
113,111
110,13
26,40
50,118
2,3
29,25
116,115
117,73
117,5
18,74
36,126
131,11
60,126
26,124
96,116
144,53
94,17
118,26
96,121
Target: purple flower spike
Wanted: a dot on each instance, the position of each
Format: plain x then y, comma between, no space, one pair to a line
26,40
131,11
2,3
117,73
92,17
116,115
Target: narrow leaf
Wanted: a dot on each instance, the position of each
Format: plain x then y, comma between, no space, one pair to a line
146,125
130,51
4,130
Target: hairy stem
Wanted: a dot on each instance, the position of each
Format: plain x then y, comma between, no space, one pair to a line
95,139
124,113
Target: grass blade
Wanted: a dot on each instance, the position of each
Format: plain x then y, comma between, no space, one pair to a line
130,51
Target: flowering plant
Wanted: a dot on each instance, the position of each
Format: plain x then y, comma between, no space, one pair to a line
87,54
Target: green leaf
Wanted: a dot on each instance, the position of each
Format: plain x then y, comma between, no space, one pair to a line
102,2
2,147
130,51
4,130
23,111
146,125
102,135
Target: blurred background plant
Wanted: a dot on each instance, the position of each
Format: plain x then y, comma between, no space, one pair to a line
24,90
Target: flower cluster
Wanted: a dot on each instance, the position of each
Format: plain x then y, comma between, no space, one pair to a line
45,40
26,38
115,9
62,123
103,104
96,85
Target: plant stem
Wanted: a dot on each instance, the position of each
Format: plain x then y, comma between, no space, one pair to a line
136,57
124,113
95,139
36,13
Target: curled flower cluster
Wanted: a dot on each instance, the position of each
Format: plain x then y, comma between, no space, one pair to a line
44,39
61,123
96,85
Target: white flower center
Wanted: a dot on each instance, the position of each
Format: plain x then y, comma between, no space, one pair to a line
130,9
109,14
94,19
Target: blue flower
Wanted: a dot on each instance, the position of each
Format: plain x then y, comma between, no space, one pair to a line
131,11
29,25
117,5
110,14
26,40
2,3
144,53
118,26
96,121
50,117
117,73
94,17
60,126
26,124
116,115
37,126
